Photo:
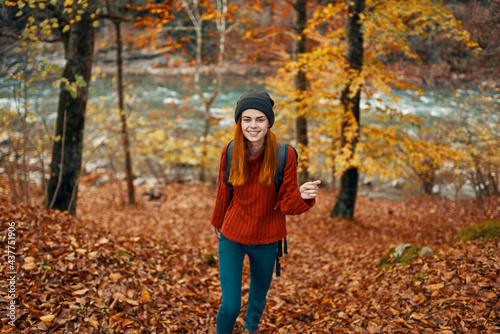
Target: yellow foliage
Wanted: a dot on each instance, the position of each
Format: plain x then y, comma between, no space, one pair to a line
383,146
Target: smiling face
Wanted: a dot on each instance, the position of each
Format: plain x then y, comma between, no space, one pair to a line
254,124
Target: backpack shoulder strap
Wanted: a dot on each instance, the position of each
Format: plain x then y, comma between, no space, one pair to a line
229,158
281,152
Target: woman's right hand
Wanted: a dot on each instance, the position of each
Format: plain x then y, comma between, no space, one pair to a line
216,231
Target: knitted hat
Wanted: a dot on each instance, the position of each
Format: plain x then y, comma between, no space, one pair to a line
255,99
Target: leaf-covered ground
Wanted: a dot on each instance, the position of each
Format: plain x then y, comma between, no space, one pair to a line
151,268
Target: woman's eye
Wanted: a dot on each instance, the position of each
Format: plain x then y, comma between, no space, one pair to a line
249,120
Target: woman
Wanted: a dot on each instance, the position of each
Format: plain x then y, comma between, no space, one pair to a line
250,221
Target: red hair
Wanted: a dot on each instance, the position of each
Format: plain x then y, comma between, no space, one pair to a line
238,174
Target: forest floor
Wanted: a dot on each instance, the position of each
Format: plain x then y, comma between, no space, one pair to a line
152,268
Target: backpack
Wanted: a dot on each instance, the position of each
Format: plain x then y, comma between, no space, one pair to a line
281,153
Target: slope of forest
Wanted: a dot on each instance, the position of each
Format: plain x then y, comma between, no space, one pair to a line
152,268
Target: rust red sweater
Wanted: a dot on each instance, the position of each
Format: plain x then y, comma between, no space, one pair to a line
251,217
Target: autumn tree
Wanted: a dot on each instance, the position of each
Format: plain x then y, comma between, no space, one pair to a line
472,128
182,24
25,129
300,83
74,24
77,29
482,20
117,21
351,61
350,99
280,42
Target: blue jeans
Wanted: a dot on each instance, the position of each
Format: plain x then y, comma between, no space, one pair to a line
262,259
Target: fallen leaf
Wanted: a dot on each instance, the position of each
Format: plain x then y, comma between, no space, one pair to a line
103,241
29,266
146,296
94,323
80,292
47,318
93,255
115,277
126,322
435,286
415,316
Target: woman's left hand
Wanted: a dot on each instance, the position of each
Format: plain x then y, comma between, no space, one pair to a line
216,231
309,190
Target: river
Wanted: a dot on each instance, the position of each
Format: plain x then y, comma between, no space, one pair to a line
147,93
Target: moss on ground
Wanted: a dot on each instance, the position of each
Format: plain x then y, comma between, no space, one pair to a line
403,255
487,230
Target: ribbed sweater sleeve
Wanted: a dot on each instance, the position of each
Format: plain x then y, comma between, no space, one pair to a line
289,200
223,192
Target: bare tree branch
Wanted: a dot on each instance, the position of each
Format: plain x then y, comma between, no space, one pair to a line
114,17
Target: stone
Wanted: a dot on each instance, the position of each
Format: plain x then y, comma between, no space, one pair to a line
426,251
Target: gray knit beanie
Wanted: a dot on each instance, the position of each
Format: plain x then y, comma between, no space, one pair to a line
255,99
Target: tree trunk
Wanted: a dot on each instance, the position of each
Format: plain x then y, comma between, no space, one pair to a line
351,102
428,184
27,197
67,150
494,184
123,117
221,6
197,23
204,144
300,83
427,176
